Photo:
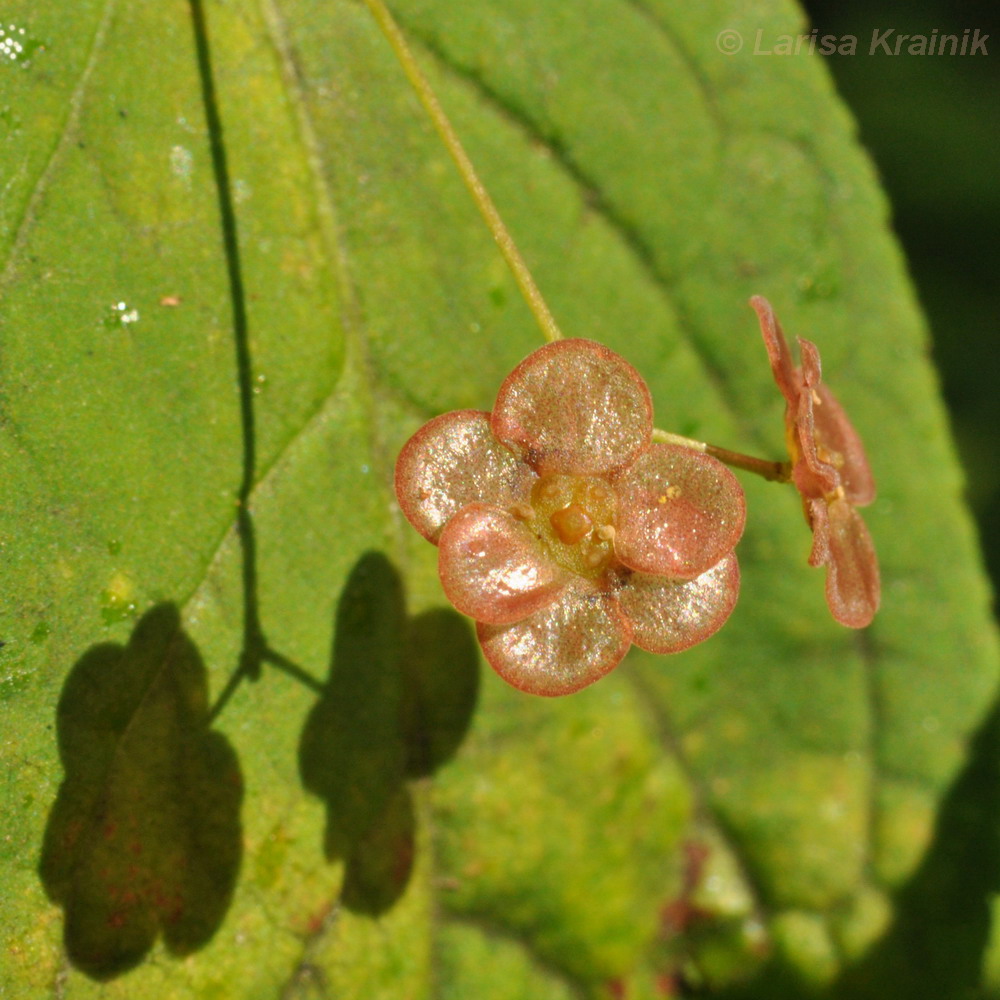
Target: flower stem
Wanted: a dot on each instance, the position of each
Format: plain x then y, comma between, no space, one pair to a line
780,472
665,437
776,472
480,196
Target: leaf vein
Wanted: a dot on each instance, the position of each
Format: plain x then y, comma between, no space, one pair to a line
69,126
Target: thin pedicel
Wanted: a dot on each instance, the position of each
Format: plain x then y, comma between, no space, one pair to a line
569,527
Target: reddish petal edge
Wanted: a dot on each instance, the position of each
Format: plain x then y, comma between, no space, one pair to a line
669,616
841,541
561,425
813,477
492,567
778,353
679,512
453,460
573,642
834,430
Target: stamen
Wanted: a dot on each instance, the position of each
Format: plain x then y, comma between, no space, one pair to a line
834,458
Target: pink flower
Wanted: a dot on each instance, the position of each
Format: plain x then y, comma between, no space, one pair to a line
563,530
831,471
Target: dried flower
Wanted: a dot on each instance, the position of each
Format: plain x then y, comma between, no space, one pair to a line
563,530
831,471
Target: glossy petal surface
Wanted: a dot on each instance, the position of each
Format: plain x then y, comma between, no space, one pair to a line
493,568
670,615
454,460
574,407
679,512
842,543
573,642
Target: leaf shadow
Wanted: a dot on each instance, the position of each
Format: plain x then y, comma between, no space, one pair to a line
144,837
396,705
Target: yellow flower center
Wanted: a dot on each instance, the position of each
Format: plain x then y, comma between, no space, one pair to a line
573,517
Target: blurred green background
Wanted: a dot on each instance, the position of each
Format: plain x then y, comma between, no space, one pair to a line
932,124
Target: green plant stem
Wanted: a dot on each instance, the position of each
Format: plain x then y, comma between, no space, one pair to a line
480,196
776,472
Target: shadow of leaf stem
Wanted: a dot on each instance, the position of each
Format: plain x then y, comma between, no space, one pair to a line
144,837
255,648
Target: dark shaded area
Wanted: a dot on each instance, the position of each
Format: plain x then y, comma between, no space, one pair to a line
932,124
144,837
933,950
255,650
935,946
254,643
397,704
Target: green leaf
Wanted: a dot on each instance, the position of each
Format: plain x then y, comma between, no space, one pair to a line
238,271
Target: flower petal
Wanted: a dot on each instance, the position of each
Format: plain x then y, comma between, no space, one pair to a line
842,542
834,433
670,615
573,642
574,407
782,367
454,460
493,568
679,512
814,477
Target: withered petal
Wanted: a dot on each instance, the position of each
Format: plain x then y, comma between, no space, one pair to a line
454,460
679,512
842,542
671,615
778,353
838,435
575,407
573,642
492,566
813,477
